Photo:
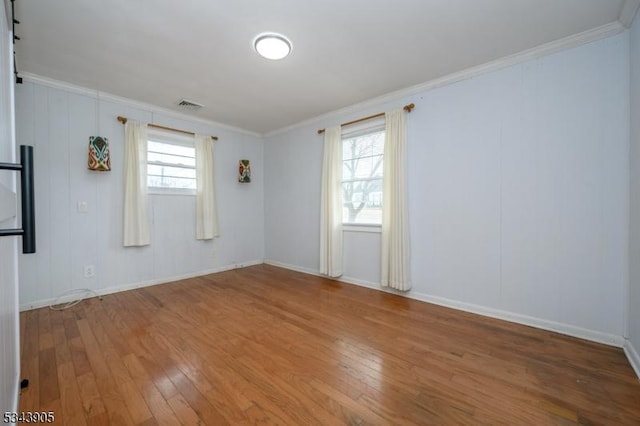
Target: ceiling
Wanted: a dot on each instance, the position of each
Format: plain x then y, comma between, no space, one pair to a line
344,51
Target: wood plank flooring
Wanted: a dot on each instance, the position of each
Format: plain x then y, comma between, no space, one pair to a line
264,345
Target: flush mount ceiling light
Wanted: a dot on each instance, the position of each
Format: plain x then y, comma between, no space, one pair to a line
272,46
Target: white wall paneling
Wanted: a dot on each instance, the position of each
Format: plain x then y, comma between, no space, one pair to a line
518,183
633,332
293,164
58,123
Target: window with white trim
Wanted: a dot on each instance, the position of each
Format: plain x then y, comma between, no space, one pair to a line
362,168
171,163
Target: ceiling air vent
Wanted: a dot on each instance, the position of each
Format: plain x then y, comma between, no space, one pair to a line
189,105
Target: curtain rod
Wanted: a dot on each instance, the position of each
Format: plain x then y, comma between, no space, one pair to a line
407,108
124,120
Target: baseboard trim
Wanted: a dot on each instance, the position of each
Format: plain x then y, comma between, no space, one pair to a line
292,267
566,329
632,356
562,328
132,286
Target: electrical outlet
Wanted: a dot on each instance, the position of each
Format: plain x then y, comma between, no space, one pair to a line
89,271
83,207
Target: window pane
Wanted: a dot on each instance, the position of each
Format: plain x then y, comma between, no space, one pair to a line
362,201
180,169
170,182
157,170
171,159
167,148
363,146
362,168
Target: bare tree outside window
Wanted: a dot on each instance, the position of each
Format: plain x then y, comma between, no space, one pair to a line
362,167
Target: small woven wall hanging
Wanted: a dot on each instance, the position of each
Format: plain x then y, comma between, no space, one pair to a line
244,171
99,158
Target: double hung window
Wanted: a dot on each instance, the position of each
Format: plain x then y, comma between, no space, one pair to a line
362,168
171,163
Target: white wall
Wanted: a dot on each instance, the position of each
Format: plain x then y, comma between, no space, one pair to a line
58,122
633,344
9,328
518,193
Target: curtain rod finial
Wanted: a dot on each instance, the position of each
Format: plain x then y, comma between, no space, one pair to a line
122,119
409,107
320,131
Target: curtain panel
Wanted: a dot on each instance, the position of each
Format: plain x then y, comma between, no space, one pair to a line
331,205
136,217
395,223
206,214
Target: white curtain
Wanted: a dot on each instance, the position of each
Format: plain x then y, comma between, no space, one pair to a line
395,224
206,215
331,205
136,218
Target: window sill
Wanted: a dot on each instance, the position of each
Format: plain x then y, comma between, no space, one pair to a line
354,227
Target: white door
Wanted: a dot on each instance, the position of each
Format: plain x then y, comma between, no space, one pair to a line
9,325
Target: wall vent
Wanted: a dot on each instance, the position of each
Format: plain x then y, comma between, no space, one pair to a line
189,105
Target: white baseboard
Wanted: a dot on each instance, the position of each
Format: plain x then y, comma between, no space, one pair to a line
562,328
632,356
132,286
567,329
293,267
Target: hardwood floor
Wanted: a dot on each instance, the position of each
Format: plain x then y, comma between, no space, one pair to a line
264,345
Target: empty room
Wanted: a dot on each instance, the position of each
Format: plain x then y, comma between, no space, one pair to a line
419,212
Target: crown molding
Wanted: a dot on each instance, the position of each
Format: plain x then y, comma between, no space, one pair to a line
546,49
628,12
93,93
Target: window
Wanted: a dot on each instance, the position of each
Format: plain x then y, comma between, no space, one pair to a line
362,165
171,163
